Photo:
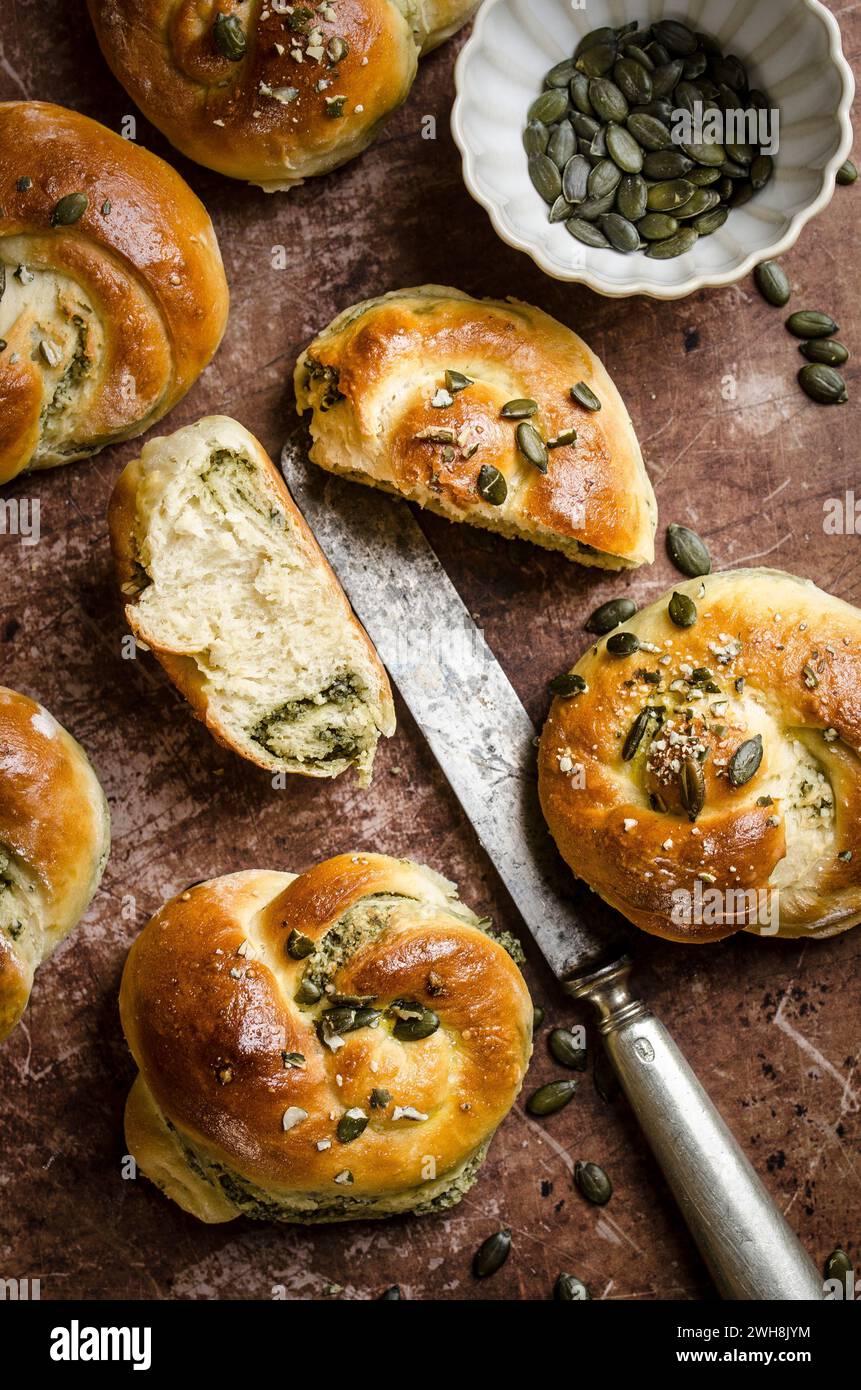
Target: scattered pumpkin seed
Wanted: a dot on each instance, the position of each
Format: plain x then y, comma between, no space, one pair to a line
562,144
352,1123
688,552
414,1028
585,396
536,138
709,222
745,761
69,210
229,36
676,245
519,409
299,946
701,177
669,195
492,1254
701,201
631,197
847,173
826,350
604,178
609,615
307,993
567,685
567,1051
598,60
823,384
550,107
593,1183
666,164
569,1289
682,610
391,1294
692,787
657,226
456,381
633,79
761,171
537,1018
380,1098
811,323
545,176
604,1077
608,102
491,485
584,231
623,644
637,733
532,446
562,438
575,178
623,149
620,233
838,1265
552,1097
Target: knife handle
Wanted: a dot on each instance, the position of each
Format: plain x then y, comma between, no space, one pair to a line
747,1245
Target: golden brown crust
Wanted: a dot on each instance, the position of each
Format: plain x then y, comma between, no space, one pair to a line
777,854
137,281
183,670
266,117
207,1004
387,360
54,837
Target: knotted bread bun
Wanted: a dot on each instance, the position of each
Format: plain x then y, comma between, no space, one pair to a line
388,411
338,1045
113,292
710,782
265,90
54,843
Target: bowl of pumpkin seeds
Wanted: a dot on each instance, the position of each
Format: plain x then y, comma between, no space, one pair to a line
648,149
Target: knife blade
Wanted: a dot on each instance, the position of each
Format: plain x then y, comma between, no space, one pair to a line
483,740
461,699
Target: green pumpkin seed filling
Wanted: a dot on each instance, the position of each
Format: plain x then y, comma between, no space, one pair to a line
17,915
409,1021
608,149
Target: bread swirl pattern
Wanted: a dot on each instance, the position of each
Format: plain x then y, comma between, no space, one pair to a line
338,1045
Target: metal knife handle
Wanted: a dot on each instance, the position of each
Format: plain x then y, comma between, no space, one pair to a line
750,1250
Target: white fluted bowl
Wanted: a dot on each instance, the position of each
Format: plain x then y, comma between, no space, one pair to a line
792,51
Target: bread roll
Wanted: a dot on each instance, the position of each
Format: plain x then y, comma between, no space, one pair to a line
735,804
322,1048
112,292
227,586
54,843
273,92
387,411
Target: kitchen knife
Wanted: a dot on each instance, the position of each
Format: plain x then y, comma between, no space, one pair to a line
484,741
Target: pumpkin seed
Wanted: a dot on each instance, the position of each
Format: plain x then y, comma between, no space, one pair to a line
575,179
633,80
351,1124
561,210
637,733
491,485
674,246
847,173
740,154
692,787
761,171
391,1294
609,615
772,282
592,208
598,146
562,144
688,96
597,61
623,149
569,1289
657,226
552,1097
545,176
562,438
585,126
623,644
299,946
380,1098
667,196
492,1254
307,993
604,178
701,200
688,552
823,384
549,107
604,1077
741,194
694,66
826,350
631,197
701,177
519,409
585,396
682,610
532,446
229,37
537,1018
567,1051
709,222
536,137
583,231
607,100
456,381
666,77
705,153
566,685
651,133
661,111
811,323
666,164
579,92
595,36
631,49
621,234
745,761
675,36
560,74
593,1183
69,210
838,1265
413,1028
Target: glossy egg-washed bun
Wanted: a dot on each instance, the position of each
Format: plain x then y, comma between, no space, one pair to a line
335,1046
54,843
268,91
407,393
709,782
112,293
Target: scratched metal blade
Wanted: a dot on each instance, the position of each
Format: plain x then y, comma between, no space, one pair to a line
459,696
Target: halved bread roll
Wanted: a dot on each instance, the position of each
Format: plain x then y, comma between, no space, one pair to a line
227,586
407,393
